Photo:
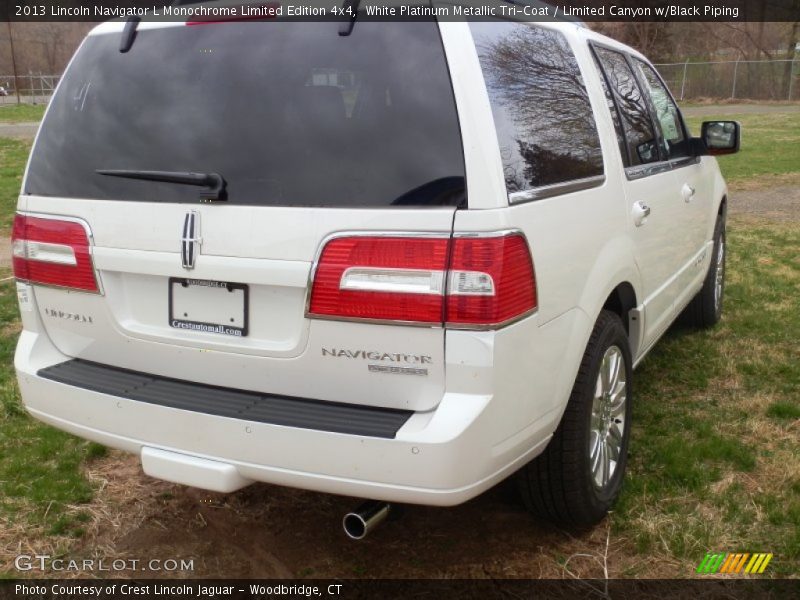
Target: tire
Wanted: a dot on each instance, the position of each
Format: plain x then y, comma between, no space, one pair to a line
705,309
560,485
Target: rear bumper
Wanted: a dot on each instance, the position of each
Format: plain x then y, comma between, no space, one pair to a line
444,457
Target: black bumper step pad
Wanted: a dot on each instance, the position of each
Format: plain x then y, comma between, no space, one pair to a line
303,413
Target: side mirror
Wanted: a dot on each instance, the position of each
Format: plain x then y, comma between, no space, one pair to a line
721,137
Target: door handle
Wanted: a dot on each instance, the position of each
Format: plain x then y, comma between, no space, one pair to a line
640,213
687,192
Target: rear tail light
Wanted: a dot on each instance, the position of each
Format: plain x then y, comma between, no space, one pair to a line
491,280
381,278
52,252
471,281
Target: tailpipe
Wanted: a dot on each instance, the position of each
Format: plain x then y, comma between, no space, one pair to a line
359,523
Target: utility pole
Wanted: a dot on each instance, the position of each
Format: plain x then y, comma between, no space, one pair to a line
13,60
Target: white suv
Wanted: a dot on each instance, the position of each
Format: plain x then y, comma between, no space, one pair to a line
398,261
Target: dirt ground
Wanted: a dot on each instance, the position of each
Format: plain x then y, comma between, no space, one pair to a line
268,531
774,197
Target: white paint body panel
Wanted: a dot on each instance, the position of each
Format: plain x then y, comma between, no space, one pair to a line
491,400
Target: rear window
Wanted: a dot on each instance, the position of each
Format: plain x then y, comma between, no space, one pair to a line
289,114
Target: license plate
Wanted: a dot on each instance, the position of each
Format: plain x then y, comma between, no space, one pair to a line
208,306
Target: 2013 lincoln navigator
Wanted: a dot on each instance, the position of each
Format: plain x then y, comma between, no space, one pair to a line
397,261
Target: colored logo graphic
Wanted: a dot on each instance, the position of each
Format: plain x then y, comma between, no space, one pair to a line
734,563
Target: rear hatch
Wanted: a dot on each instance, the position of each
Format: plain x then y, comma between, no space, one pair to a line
314,134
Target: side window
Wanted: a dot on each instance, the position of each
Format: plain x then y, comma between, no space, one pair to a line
623,146
669,118
544,121
639,132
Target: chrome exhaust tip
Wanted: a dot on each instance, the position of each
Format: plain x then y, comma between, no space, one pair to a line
359,523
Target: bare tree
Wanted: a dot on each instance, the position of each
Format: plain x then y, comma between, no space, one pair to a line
52,37
41,47
651,39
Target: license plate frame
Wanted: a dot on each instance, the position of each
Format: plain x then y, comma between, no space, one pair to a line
204,325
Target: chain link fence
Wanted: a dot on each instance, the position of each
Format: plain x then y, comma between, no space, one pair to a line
736,79
27,89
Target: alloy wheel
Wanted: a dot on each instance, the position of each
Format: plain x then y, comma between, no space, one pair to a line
608,417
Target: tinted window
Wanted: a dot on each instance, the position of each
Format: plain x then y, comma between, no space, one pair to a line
288,113
544,121
669,118
639,133
623,146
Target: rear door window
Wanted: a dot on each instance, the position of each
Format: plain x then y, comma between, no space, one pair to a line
289,114
639,132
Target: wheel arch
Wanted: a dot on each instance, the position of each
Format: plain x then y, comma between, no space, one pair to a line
722,210
718,198
621,301
615,284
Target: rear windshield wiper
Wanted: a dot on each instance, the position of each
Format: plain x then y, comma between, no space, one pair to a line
213,181
349,7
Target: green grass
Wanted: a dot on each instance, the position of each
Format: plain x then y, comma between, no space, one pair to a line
714,462
21,113
13,156
770,145
41,484
787,410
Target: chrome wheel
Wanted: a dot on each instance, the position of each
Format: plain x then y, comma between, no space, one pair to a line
719,273
608,417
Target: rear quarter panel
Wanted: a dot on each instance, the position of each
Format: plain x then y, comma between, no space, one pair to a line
580,247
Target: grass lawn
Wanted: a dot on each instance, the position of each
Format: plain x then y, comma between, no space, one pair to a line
41,483
21,113
13,156
714,459
770,145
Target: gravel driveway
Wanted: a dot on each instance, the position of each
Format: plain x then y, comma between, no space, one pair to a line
780,203
19,130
